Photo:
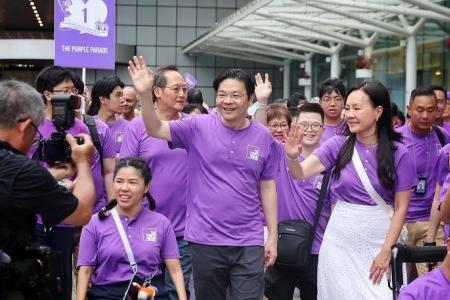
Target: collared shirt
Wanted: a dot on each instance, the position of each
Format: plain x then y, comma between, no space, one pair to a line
432,286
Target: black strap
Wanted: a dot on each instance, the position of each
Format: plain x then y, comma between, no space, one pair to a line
440,135
90,123
323,193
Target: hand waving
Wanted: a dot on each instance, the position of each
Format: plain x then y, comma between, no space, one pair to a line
141,75
292,142
263,89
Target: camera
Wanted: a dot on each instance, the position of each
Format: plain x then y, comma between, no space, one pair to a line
56,149
37,275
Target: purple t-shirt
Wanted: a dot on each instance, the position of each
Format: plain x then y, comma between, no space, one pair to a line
432,286
225,167
298,199
424,152
349,187
108,146
169,167
151,239
331,130
118,129
46,129
446,126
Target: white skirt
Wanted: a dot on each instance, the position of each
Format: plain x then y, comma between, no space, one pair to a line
353,238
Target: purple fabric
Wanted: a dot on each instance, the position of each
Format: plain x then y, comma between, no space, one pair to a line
46,129
118,129
331,130
169,169
108,146
446,126
298,199
151,238
424,152
225,167
432,286
349,187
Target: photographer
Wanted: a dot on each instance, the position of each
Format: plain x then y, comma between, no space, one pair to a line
26,189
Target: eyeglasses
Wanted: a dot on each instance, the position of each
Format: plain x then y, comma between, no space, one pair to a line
38,137
313,126
72,91
329,99
223,96
276,126
176,89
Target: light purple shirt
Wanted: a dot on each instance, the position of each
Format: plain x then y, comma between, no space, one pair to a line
332,130
225,167
169,167
151,239
108,146
432,286
298,199
446,126
349,187
118,129
46,129
424,152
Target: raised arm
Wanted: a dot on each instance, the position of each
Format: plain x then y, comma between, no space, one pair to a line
142,77
263,90
292,145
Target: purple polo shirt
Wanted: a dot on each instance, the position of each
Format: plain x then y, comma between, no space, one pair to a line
424,152
298,199
446,126
108,146
432,286
442,172
169,183
118,129
151,239
225,167
46,129
349,187
331,130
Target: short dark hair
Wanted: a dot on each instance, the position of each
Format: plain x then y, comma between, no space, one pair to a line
332,85
103,88
438,88
295,99
421,91
237,74
51,76
160,79
79,84
190,107
195,96
312,108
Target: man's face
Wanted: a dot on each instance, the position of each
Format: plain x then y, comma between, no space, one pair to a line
115,101
64,87
441,102
332,104
232,101
174,94
129,100
423,112
311,128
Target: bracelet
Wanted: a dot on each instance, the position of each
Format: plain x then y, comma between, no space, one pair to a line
290,158
261,105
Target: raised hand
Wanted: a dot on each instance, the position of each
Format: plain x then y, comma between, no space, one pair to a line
141,75
263,88
292,142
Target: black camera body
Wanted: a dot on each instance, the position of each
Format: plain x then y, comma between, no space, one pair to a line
56,149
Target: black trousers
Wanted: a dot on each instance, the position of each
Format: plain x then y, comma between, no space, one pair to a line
216,268
280,282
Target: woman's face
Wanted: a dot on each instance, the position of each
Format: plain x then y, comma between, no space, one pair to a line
360,114
129,187
278,127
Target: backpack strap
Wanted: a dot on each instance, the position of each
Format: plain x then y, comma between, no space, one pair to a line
90,123
440,135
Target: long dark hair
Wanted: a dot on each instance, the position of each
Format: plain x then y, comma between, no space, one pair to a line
140,165
379,96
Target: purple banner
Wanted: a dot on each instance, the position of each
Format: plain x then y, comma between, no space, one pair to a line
85,33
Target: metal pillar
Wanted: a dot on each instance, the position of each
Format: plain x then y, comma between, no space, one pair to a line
287,78
335,65
411,67
308,70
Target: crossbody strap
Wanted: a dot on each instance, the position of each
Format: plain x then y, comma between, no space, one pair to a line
368,185
125,241
323,193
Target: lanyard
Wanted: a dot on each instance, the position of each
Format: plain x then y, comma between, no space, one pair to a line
414,152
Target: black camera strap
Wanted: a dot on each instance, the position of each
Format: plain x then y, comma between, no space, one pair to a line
440,135
90,123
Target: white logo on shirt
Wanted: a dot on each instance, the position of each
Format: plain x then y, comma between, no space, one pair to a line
252,152
318,182
149,234
438,148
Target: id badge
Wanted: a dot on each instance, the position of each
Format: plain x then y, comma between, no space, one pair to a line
421,186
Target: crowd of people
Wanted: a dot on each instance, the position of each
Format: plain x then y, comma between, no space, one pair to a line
181,192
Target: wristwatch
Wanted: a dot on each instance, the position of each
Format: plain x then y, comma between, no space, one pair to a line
260,105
